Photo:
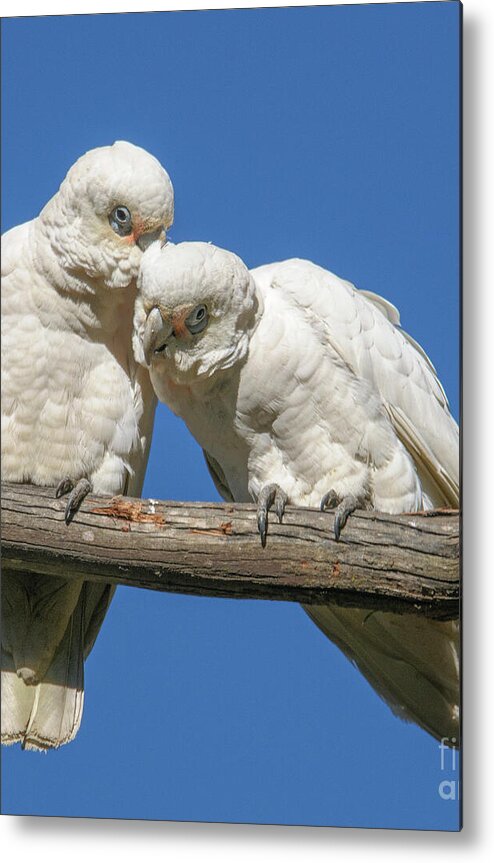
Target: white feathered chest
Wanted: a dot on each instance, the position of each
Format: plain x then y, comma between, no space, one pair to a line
71,403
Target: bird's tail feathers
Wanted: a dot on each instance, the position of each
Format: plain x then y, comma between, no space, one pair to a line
48,714
410,661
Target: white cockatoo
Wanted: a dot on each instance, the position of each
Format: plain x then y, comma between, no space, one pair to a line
77,411
302,389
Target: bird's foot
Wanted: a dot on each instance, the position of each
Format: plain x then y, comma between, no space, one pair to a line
269,495
344,507
77,494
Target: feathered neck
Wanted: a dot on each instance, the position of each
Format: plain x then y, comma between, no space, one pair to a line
84,304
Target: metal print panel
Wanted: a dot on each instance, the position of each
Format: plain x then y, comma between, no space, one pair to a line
323,142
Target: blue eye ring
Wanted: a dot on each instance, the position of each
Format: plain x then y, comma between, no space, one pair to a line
121,220
197,320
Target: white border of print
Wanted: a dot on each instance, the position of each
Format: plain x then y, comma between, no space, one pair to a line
80,839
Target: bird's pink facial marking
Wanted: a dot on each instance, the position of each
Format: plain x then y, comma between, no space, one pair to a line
137,230
141,226
178,321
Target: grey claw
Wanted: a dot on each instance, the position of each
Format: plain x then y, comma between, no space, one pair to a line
329,500
279,505
269,495
76,497
337,529
261,526
63,487
344,508
339,524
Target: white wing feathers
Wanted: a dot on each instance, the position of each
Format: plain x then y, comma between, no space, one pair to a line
440,485
363,329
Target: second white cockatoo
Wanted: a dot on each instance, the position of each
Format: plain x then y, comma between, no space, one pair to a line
77,411
302,389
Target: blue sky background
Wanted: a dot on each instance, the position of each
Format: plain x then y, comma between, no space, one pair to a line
326,133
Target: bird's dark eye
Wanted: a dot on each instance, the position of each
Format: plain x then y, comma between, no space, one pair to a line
197,320
121,220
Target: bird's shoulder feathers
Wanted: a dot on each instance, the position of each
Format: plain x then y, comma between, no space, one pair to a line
14,248
363,329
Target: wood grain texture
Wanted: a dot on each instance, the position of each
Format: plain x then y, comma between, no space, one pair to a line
408,562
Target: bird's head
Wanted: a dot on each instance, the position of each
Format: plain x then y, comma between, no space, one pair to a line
112,204
195,310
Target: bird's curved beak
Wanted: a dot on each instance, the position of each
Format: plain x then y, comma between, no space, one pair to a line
156,333
145,240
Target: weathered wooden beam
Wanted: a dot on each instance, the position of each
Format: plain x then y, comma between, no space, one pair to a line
405,563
